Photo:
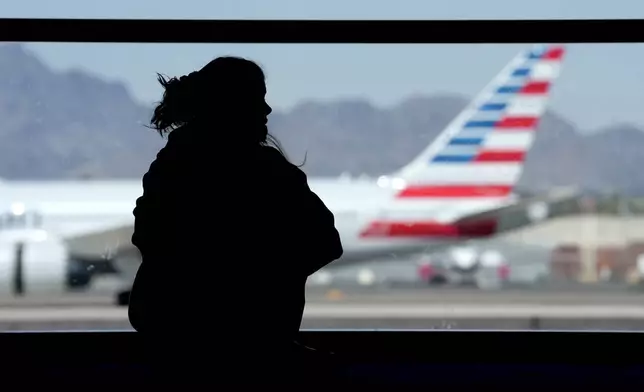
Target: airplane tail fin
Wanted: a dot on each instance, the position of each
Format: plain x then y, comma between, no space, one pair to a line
481,153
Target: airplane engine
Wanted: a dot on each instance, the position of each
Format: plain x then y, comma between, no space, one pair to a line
32,262
494,260
486,269
463,259
495,270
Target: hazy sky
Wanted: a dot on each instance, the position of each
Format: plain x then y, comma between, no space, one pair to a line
600,84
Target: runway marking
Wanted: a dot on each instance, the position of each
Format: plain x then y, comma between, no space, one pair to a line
452,311
363,311
52,314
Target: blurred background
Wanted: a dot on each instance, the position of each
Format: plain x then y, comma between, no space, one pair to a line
569,252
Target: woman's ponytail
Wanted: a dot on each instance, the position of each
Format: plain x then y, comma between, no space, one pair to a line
179,104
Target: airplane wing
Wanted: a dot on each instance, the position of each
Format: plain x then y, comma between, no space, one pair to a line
522,213
101,244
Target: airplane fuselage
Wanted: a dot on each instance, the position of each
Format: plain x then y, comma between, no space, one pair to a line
68,208
358,204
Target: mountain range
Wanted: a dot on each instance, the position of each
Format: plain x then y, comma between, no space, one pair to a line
71,124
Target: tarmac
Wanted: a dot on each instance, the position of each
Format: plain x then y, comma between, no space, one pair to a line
376,308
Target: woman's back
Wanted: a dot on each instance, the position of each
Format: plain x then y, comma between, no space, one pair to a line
220,235
227,228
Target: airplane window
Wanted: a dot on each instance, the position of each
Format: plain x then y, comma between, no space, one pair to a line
474,186
330,9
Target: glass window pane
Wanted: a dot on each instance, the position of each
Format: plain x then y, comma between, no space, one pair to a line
74,148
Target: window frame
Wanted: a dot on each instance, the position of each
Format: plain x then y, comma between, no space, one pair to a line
322,31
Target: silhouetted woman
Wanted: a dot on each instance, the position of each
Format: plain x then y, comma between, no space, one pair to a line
227,227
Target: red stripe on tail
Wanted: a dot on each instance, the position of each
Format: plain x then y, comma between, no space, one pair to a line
535,88
555,53
447,191
517,122
500,156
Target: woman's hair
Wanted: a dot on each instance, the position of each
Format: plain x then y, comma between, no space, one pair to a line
189,98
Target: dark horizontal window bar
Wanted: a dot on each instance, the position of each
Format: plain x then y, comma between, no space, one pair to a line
322,31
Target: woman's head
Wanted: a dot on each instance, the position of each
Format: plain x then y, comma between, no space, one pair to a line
228,92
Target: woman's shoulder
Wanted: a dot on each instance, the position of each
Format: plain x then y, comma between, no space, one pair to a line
279,162
272,153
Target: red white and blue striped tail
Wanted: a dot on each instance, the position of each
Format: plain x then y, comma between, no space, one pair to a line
482,151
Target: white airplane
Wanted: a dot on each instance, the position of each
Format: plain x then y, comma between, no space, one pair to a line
456,189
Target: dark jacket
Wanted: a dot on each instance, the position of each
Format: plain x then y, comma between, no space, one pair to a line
228,238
